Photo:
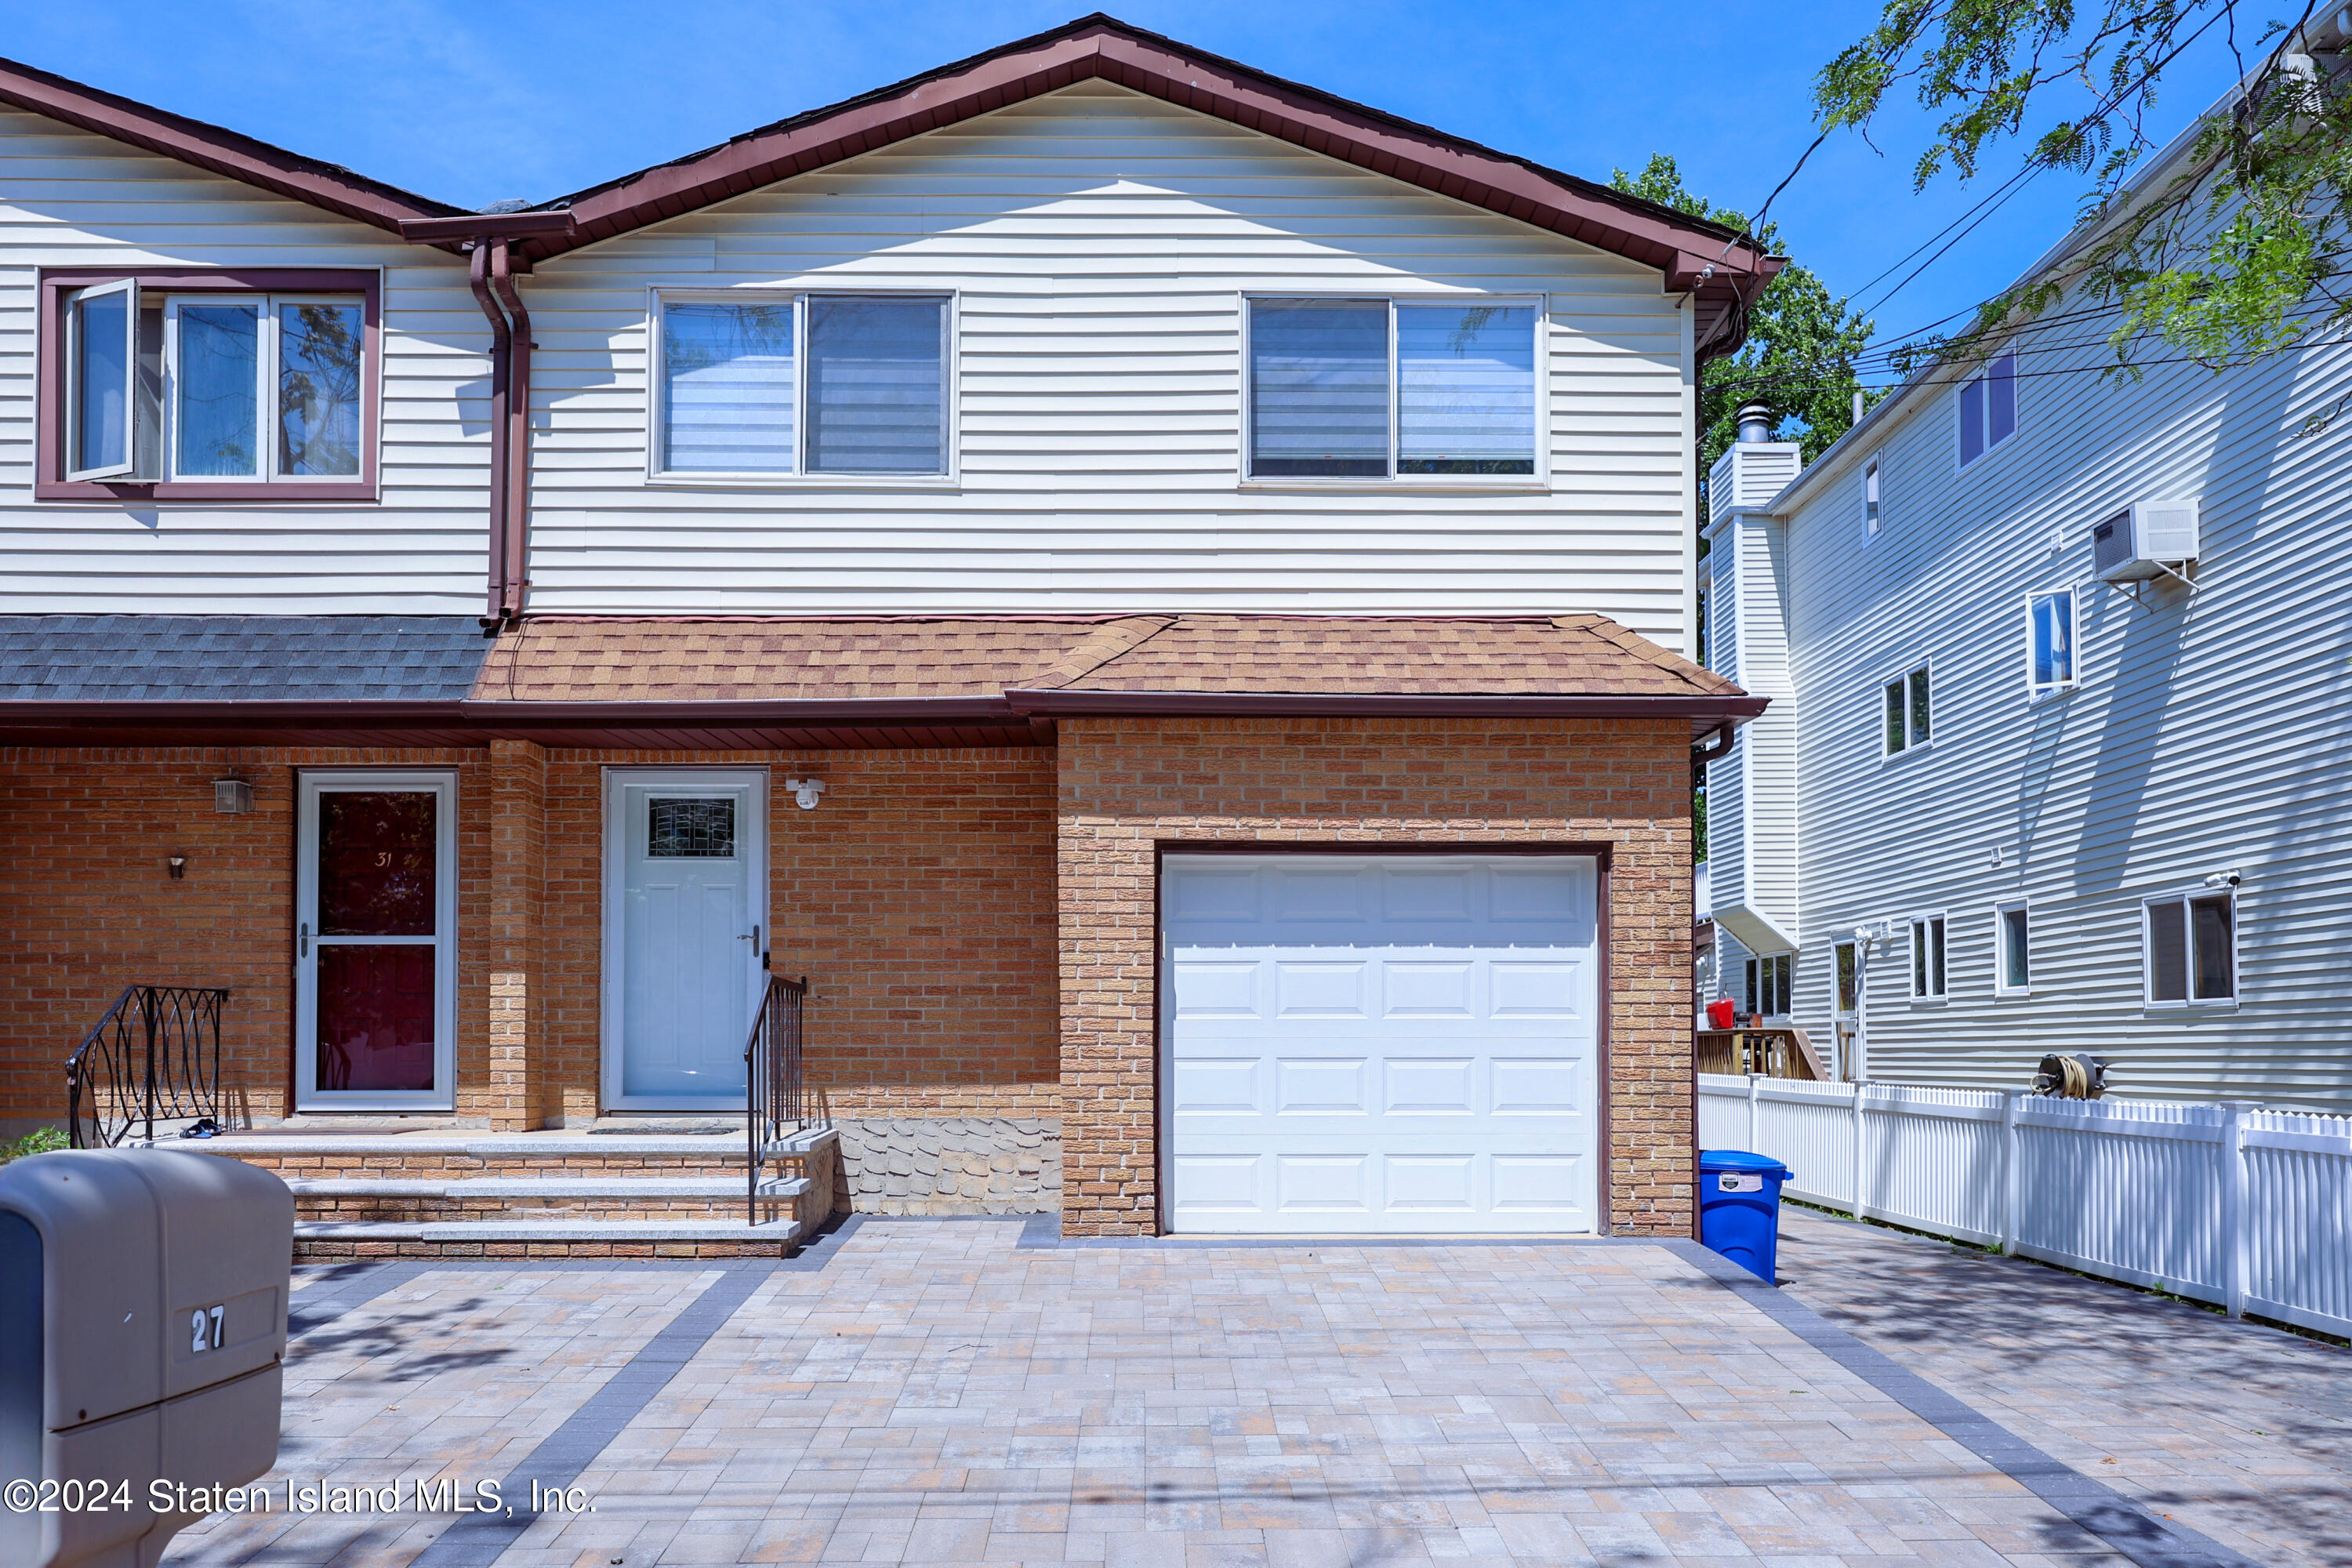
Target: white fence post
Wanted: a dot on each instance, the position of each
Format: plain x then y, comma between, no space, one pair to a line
2012,1179
1754,1132
1859,1090
2233,1208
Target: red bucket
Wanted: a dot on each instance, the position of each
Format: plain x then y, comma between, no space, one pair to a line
1720,1015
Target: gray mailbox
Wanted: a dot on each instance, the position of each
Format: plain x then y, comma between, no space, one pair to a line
142,1329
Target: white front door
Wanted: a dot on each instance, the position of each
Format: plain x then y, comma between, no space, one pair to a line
375,925
1359,1044
685,900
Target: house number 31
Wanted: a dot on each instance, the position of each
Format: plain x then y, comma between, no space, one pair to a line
204,1328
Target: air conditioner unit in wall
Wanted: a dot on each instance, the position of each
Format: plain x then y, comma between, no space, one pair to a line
2151,538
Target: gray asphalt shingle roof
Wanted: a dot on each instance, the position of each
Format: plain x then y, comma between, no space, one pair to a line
194,658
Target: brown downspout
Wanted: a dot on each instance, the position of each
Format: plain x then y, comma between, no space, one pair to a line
513,484
502,339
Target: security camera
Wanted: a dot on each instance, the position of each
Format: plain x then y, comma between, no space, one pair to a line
2223,880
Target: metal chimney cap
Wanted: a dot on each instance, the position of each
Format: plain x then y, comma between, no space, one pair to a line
1755,422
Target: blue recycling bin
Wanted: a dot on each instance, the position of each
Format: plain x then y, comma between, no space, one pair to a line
1739,1207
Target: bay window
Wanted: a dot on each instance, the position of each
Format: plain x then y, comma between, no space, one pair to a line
247,384
1391,389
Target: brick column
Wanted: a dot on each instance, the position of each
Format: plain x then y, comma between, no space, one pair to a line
515,1095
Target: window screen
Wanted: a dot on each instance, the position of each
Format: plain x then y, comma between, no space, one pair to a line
1465,389
877,385
680,828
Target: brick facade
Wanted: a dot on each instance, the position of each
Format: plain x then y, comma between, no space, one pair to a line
88,905
1128,786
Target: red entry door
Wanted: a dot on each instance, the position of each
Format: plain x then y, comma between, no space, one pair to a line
372,949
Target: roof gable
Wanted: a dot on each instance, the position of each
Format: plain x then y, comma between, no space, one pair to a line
1690,254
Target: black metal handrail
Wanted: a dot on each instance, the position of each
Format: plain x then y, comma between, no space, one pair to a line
155,1056
775,1093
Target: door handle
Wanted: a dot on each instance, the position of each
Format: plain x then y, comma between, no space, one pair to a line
302,941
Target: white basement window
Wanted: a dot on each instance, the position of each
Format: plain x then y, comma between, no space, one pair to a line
771,385
1386,389
1989,408
1906,706
2049,643
1927,959
2192,945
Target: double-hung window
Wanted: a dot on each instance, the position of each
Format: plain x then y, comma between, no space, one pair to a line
1988,408
760,386
1927,959
191,385
2049,643
1392,389
2192,945
1767,984
1904,704
2013,950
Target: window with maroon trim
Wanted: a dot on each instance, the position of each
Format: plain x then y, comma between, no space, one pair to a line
253,384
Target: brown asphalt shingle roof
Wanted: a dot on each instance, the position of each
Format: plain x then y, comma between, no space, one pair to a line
788,658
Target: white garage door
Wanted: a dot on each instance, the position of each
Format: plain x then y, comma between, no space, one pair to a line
1379,1043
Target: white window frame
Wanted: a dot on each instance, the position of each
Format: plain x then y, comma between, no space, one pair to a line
1760,977
1922,972
1540,479
951,401
1843,954
71,387
1874,498
1878,709
2035,692
2184,897
1960,409
266,373
2002,985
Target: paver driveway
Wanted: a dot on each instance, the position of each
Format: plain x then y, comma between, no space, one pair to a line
935,1392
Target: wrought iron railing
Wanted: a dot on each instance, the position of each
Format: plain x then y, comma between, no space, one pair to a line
155,1056
776,1099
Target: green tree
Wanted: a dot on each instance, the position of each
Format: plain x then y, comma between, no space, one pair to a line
1802,343
2240,253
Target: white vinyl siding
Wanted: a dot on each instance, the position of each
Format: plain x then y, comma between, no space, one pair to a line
74,199
2171,764
1100,247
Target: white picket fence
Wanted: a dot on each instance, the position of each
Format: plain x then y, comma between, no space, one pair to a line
2231,1204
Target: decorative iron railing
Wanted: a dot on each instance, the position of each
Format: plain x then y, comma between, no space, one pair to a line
776,1099
155,1056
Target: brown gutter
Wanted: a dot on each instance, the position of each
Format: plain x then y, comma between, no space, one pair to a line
494,610
489,236
513,489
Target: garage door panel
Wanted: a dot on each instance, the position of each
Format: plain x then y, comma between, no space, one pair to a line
1365,1046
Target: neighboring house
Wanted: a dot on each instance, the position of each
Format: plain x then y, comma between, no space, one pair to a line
1160,590
2040,788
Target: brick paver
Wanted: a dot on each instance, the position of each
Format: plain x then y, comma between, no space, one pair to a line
2240,1431
938,1395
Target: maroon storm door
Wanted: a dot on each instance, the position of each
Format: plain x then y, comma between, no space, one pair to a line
373,952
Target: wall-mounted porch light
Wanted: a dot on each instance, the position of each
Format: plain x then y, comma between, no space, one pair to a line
231,798
805,792
179,865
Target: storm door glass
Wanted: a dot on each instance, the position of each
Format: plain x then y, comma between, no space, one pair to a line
378,985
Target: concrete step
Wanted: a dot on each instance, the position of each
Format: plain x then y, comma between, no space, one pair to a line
607,1186
621,1230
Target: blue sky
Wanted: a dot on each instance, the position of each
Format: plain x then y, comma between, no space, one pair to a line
476,102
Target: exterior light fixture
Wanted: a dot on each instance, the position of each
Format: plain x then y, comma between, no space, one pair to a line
805,792
232,796
179,865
